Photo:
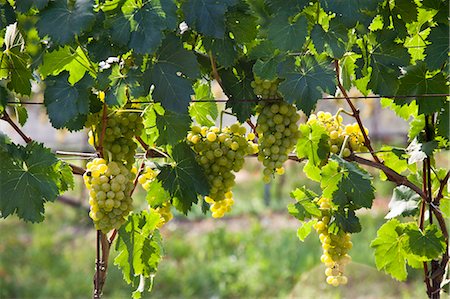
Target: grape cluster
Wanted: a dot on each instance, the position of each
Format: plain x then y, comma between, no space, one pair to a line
347,138
335,246
278,133
266,89
165,214
109,186
118,144
147,176
220,152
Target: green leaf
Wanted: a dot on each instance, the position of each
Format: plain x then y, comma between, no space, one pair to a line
148,20
207,16
331,174
184,179
29,180
313,143
156,195
206,112
389,252
333,42
417,82
406,9
168,75
7,14
288,36
76,63
347,221
237,86
172,127
66,180
445,206
305,83
62,22
224,49
429,244
305,206
443,121
139,247
416,126
386,58
14,65
242,24
437,52
74,98
350,12
404,202
405,111
267,69
25,5
305,229
355,188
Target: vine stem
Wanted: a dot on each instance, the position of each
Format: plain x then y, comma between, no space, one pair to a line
355,111
214,71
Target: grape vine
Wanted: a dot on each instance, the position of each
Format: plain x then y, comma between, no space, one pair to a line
138,75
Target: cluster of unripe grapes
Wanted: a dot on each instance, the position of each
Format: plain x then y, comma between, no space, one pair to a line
335,246
277,135
345,139
220,152
266,89
109,185
118,143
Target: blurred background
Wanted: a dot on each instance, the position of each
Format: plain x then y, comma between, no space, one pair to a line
253,252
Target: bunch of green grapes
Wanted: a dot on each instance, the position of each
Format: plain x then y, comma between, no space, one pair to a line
118,144
278,133
147,176
347,138
335,246
220,152
109,186
266,89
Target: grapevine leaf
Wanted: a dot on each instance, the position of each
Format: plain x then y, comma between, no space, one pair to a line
168,75
313,143
389,250
417,82
223,49
443,121
355,187
156,195
237,86
312,172
437,52
207,16
29,180
416,126
386,58
407,11
305,229
119,28
139,247
404,111
349,12
14,64
172,127
445,206
206,112
331,174
148,22
333,42
66,180
429,244
62,22
7,14
25,5
304,207
267,69
393,158
346,220
404,202
243,25
184,179
74,99
288,36
304,84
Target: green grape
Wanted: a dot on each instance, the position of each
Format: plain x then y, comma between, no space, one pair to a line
266,89
221,152
278,133
343,139
335,246
118,144
109,186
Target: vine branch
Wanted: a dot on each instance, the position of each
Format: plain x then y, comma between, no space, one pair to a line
8,119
